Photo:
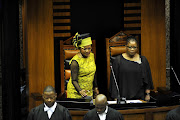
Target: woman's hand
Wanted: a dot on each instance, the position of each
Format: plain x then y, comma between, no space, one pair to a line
83,93
147,97
96,92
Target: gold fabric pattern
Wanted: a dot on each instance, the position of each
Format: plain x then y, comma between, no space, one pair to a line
87,69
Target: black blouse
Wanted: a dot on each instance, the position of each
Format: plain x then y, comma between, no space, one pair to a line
132,78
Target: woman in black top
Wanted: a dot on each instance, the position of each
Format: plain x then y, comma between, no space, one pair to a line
132,73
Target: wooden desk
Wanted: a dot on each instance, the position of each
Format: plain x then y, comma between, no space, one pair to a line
129,112
158,113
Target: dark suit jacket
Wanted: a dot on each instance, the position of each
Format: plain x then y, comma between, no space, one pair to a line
112,114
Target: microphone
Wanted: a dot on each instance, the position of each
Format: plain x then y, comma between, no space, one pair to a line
175,75
119,101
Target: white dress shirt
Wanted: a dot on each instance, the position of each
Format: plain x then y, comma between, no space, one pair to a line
50,110
102,116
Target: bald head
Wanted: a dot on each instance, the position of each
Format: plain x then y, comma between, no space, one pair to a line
100,103
101,99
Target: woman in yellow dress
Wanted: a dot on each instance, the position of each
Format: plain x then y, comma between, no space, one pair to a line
83,68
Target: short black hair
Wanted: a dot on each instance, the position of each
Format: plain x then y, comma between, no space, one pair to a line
131,38
49,89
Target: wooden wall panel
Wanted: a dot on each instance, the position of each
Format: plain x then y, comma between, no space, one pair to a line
62,19
132,17
39,46
153,44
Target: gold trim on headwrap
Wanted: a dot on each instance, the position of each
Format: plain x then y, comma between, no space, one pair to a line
79,42
75,40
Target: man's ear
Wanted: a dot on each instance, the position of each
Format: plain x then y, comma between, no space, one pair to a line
106,103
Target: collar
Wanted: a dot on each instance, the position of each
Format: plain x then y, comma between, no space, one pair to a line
52,109
105,112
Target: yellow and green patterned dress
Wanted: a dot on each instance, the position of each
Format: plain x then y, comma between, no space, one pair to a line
87,69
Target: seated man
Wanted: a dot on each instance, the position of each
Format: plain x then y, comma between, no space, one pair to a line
49,109
173,114
102,111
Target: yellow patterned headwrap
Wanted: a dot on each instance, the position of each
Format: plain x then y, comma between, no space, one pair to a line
81,42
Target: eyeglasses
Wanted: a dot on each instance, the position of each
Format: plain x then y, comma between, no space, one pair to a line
130,47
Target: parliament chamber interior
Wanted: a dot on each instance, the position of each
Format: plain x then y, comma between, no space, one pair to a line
36,48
